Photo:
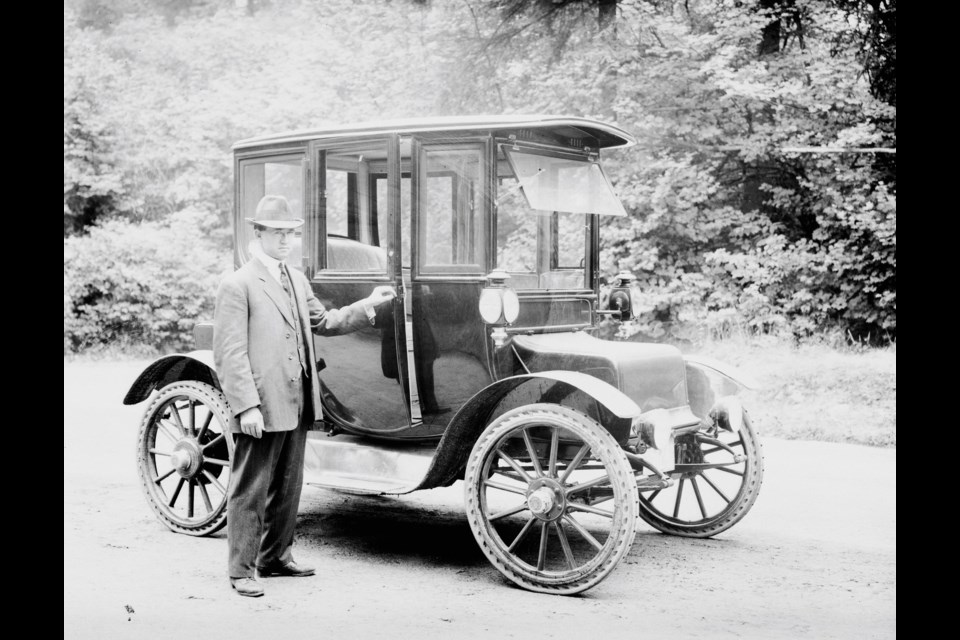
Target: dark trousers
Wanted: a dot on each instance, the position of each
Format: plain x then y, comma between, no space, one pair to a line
266,478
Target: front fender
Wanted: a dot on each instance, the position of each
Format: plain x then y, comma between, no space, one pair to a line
196,365
708,380
466,426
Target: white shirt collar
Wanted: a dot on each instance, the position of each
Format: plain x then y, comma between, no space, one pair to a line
272,264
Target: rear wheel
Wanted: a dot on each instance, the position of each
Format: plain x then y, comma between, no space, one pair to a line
184,450
718,480
551,498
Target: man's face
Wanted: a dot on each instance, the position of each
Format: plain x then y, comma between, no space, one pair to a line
276,243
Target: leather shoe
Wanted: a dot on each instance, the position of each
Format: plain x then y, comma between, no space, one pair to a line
247,587
289,569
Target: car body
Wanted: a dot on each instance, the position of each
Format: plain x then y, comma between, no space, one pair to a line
486,367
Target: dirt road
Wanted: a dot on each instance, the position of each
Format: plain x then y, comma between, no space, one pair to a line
815,558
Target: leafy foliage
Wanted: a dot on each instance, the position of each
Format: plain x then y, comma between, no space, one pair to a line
730,225
140,283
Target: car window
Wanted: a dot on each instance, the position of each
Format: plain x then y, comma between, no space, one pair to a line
355,226
281,176
452,230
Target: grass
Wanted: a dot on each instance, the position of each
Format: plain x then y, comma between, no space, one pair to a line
817,392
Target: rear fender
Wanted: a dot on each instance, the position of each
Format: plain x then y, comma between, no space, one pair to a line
196,365
466,426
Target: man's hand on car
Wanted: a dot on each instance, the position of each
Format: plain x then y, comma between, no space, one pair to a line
382,294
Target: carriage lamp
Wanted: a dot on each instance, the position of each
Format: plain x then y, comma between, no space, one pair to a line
621,296
499,304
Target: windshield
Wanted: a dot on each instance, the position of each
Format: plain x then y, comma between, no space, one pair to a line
569,185
543,231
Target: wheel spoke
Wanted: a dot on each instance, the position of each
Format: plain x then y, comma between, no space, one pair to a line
213,480
159,479
193,417
508,512
725,469
175,414
576,506
503,487
206,425
212,442
577,459
516,467
554,448
216,461
582,531
509,474
166,431
157,452
654,495
542,556
190,499
715,487
206,497
523,533
696,490
676,506
176,492
567,551
589,484
534,458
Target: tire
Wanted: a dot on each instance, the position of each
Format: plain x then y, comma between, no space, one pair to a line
518,501
184,449
705,502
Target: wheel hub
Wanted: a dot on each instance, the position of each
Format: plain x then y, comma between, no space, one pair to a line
186,458
545,499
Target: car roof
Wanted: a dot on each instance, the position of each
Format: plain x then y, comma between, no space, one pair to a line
606,135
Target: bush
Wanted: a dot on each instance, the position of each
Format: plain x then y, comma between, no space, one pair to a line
143,284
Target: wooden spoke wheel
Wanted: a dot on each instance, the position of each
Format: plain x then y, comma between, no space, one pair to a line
551,498
717,481
183,457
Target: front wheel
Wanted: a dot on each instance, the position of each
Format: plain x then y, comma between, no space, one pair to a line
550,498
717,480
184,450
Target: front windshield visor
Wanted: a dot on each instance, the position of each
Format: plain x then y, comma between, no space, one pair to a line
569,185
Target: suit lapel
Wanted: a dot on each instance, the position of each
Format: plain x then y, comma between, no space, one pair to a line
275,292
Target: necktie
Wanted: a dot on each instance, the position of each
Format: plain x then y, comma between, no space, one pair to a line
285,281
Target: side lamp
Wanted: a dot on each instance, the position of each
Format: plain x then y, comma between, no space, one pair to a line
620,304
499,305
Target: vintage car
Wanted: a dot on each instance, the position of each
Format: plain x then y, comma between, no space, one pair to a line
486,368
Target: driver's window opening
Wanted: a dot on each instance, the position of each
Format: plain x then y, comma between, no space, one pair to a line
540,248
356,227
280,176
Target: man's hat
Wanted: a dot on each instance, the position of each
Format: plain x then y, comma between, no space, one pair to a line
274,212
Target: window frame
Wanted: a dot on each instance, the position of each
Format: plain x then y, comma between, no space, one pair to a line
316,245
277,155
547,258
420,146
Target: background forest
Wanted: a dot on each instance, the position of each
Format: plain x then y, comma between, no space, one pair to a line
761,198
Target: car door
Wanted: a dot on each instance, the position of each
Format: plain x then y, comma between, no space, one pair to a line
451,237
352,246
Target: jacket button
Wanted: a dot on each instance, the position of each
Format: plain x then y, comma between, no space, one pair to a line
289,357
287,336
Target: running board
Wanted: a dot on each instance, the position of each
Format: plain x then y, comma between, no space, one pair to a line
358,465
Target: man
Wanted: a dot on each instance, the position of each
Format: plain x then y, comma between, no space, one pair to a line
263,350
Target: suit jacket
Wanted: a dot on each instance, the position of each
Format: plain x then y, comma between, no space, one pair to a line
255,344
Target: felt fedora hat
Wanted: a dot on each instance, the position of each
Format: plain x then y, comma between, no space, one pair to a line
274,212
